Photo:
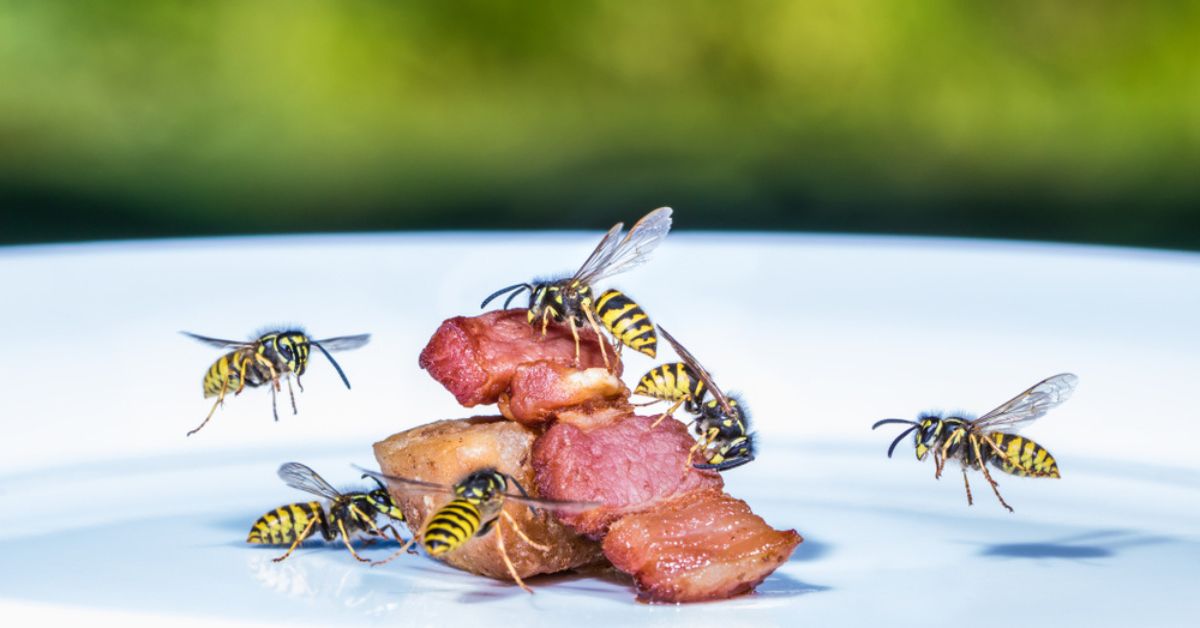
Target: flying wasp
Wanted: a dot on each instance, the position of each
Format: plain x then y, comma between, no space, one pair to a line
476,507
274,355
978,442
348,513
721,422
573,301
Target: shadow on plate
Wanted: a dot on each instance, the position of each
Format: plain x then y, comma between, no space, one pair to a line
810,551
1095,544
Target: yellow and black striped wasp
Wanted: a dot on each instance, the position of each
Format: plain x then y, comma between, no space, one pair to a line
272,356
721,422
979,442
477,506
348,513
572,300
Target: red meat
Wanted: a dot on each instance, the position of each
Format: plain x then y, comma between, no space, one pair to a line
475,357
617,461
540,390
704,545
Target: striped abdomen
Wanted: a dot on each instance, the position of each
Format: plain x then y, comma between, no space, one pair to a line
627,322
219,373
451,526
285,524
226,372
1022,456
673,381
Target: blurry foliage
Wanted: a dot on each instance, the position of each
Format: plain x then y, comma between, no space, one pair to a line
1041,119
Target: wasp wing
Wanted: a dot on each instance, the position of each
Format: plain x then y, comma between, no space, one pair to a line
700,371
418,487
560,506
301,477
615,255
217,342
344,343
1031,404
406,485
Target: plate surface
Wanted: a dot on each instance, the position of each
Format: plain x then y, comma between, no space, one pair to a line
112,515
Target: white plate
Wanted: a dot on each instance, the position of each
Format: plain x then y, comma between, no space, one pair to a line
111,514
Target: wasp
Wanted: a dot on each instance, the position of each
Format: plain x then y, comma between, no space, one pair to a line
475,508
721,422
348,513
979,442
572,299
274,355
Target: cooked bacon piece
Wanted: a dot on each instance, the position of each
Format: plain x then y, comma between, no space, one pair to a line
475,357
447,451
617,461
704,545
540,389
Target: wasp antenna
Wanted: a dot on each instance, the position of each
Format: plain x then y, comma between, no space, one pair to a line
523,492
512,295
377,481
516,286
900,438
886,421
333,362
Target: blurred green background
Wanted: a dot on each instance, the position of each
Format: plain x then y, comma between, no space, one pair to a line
1073,121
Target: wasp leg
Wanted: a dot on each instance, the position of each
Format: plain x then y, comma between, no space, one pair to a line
405,548
241,380
512,570
967,484
346,540
299,539
399,539
587,311
274,408
299,384
704,441
374,528
545,320
292,395
938,463
669,411
575,335
945,448
516,528
218,402
987,475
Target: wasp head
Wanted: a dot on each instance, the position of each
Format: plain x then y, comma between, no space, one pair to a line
292,348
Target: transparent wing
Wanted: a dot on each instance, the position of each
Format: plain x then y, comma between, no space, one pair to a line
616,255
601,253
217,342
301,477
694,364
408,486
344,343
1031,404
557,505
417,487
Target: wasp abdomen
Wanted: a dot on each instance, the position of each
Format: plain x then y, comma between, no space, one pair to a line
286,524
673,381
451,526
1022,457
627,321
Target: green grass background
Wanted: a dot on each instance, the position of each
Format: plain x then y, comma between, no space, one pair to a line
1075,121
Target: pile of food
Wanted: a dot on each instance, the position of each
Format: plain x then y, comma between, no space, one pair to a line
604,484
